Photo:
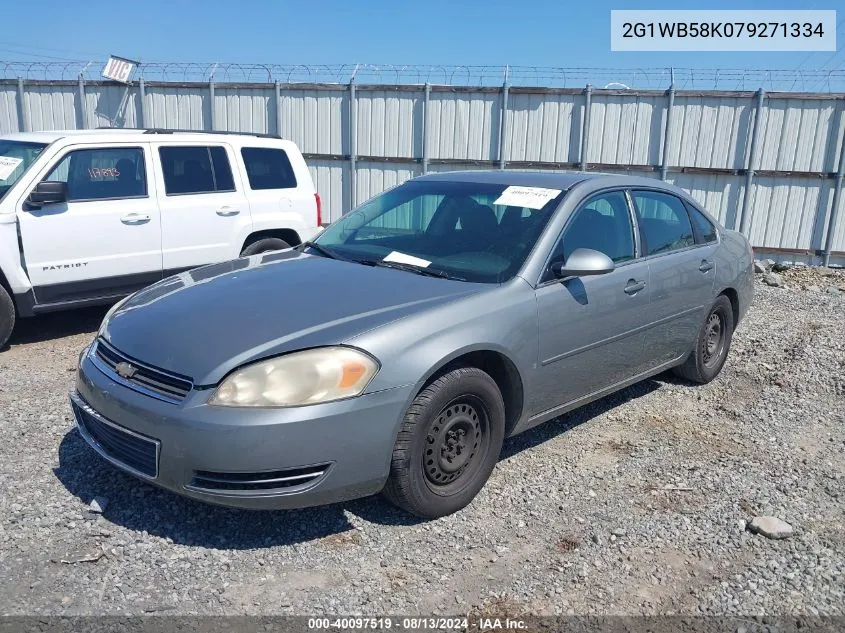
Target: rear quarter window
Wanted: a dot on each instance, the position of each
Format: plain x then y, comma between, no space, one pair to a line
268,168
705,231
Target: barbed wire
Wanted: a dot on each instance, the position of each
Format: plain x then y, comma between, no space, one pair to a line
804,79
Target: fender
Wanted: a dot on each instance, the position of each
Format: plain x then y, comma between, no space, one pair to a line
11,258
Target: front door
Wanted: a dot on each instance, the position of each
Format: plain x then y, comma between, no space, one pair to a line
204,211
105,241
592,328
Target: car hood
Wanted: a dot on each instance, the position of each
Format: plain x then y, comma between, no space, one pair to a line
205,322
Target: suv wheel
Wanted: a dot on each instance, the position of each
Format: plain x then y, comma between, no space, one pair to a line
264,245
712,344
7,317
448,445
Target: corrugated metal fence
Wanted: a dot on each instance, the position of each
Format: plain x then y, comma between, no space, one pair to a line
769,164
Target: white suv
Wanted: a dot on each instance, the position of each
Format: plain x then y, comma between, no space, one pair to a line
89,216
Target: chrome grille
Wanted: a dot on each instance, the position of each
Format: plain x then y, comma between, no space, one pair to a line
267,480
145,379
125,448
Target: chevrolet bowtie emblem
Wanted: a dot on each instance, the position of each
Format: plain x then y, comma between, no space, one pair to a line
125,370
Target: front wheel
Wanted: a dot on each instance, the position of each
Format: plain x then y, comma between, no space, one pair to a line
7,316
448,445
712,344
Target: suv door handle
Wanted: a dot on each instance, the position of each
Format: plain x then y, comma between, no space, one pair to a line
705,266
633,286
135,218
227,211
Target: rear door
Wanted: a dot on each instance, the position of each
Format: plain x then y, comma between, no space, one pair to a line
592,327
204,211
106,239
682,270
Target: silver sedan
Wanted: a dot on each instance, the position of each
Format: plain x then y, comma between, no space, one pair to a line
395,352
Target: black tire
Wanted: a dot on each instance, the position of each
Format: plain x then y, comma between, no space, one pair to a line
264,245
7,317
437,468
712,344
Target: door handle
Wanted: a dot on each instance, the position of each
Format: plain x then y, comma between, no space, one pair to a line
705,266
227,211
135,218
633,286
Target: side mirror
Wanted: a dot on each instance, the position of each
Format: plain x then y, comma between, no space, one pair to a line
47,192
583,262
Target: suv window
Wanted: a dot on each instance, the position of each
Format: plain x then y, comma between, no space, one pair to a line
602,223
102,173
268,168
664,223
705,232
196,169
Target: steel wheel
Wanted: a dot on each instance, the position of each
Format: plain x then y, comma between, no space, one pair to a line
713,341
455,445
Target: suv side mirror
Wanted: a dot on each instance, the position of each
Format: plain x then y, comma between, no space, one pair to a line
47,192
583,262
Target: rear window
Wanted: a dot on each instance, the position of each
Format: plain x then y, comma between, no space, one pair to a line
196,169
268,168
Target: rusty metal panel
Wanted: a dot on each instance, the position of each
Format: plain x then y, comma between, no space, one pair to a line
112,106
390,123
789,212
543,127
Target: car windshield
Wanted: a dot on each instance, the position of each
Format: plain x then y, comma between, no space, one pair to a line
479,232
15,159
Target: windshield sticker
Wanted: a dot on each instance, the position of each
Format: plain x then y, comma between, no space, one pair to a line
530,197
8,164
402,258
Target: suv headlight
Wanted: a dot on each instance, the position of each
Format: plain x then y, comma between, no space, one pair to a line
308,377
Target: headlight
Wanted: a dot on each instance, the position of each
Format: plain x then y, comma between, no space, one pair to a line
308,377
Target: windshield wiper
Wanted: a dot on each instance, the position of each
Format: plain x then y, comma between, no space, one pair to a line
427,272
323,251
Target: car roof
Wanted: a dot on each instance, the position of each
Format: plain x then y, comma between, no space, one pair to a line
562,180
136,134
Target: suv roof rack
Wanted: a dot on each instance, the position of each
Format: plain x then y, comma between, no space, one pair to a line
161,130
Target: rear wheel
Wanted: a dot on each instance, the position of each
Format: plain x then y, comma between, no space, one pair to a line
448,445
712,344
7,317
264,245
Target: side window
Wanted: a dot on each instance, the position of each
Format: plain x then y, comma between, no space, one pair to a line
196,169
704,229
268,168
602,223
102,173
664,222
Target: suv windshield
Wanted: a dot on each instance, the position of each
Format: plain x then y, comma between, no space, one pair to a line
15,159
478,232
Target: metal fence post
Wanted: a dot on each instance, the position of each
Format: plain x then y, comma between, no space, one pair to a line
670,104
834,206
585,126
83,106
503,122
212,110
353,145
278,109
425,130
23,116
744,214
142,94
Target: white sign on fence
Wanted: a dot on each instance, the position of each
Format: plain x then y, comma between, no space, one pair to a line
119,69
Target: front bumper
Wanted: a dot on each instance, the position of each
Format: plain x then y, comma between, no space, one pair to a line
351,441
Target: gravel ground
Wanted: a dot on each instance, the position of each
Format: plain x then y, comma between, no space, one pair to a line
636,504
